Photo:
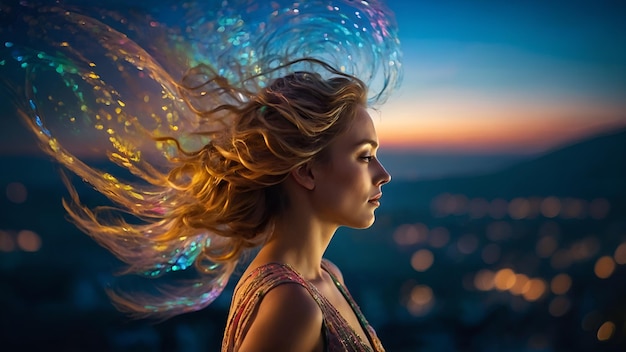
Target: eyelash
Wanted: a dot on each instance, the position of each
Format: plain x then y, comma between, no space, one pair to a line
367,159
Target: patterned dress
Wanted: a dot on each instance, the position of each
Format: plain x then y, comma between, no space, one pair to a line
339,336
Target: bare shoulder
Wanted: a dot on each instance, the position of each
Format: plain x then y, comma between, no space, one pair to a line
287,319
334,270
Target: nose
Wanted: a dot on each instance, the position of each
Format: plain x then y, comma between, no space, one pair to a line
382,176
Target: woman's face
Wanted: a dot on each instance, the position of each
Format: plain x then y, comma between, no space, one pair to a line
348,183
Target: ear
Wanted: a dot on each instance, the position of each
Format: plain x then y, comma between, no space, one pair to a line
303,175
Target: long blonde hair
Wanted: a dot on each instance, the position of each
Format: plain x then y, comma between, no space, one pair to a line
220,200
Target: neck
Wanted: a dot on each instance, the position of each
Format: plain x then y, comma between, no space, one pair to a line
300,241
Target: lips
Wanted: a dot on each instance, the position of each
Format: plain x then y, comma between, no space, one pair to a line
375,199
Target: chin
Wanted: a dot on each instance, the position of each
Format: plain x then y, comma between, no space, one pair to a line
361,225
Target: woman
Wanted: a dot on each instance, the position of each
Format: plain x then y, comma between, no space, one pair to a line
288,166
289,298
250,153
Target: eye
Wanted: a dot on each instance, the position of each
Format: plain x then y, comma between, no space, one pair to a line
367,158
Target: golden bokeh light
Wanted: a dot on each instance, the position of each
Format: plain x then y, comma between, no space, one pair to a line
421,294
28,241
422,260
484,280
409,234
620,254
585,248
504,279
604,267
606,331
457,204
560,284
421,300
534,289
519,287
550,207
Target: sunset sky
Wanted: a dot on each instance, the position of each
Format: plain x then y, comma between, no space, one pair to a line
517,77
506,76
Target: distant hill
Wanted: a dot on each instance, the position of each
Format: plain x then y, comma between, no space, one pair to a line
595,167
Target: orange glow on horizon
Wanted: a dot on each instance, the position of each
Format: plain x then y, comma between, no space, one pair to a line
480,124
449,121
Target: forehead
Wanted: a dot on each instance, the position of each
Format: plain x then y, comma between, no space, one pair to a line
360,131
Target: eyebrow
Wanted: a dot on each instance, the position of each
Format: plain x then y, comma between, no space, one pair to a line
372,142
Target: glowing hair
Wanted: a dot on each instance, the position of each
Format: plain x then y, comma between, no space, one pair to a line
220,200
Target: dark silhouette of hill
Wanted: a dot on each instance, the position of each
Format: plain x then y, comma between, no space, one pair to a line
594,167
63,282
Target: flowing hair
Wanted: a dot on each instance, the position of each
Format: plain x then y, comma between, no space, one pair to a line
216,202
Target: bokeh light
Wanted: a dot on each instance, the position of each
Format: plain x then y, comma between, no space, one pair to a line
28,241
604,267
7,243
422,260
585,248
484,280
606,331
421,300
560,284
409,234
504,279
519,287
534,289
550,207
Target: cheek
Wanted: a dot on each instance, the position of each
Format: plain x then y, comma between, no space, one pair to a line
350,180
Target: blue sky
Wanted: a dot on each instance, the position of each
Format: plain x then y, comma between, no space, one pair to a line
518,75
501,76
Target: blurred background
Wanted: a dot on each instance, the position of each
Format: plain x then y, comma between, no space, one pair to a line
504,228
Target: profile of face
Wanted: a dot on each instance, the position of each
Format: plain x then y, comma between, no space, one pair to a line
348,182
